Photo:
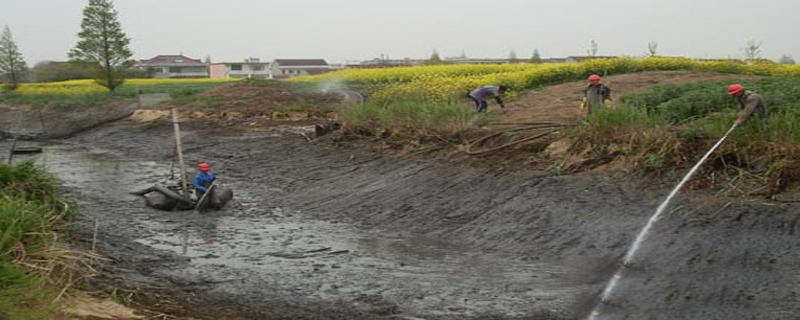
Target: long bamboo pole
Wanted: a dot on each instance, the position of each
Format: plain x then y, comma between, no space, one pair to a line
179,147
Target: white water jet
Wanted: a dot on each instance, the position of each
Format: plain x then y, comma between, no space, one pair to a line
642,234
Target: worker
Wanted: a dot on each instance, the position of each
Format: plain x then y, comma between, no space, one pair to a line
749,102
479,96
203,180
596,95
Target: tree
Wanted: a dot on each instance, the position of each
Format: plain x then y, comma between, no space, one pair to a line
536,58
592,49
512,57
752,51
435,58
103,44
11,61
652,47
786,59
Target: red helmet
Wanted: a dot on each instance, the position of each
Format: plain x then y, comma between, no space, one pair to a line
204,167
594,77
735,88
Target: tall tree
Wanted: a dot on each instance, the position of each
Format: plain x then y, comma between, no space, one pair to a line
512,57
752,51
536,57
11,61
652,48
435,58
103,43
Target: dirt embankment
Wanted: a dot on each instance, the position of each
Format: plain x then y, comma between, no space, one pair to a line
708,258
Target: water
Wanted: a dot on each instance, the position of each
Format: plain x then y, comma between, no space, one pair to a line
643,234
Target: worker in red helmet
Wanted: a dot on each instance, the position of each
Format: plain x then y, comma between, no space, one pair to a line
750,102
596,95
203,179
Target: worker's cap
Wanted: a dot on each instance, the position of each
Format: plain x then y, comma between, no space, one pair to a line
204,167
594,77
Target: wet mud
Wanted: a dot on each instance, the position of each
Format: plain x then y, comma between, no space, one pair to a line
323,230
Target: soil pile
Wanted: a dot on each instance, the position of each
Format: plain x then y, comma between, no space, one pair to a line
260,98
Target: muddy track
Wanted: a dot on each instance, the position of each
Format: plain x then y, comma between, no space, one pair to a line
321,230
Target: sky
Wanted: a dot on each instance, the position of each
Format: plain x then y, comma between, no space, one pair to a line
349,30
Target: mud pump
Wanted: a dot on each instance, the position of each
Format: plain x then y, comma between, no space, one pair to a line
178,196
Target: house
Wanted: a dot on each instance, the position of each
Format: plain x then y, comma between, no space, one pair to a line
250,68
174,66
286,68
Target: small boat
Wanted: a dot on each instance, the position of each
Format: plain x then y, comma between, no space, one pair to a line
20,150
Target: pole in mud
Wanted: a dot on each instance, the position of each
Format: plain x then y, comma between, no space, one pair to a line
179,148
642,234
11,152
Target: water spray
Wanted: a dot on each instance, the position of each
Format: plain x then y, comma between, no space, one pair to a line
643,234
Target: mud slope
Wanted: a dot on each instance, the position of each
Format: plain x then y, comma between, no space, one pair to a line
707,259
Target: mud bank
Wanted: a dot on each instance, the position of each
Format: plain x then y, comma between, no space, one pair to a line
320,231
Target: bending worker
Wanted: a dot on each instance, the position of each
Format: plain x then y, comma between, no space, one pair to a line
479,96
596,95
750,102
203,180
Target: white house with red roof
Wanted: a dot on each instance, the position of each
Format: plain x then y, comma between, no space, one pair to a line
174,66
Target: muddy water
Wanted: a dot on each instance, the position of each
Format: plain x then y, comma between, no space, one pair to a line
256,251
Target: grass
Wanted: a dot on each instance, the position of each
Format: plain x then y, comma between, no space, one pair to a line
410,118
671,126
35,267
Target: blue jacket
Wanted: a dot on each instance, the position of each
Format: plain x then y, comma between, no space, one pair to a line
203,180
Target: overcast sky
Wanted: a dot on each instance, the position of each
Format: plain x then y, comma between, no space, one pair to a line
342,30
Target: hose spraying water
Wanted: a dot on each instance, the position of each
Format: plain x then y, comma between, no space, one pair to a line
643,234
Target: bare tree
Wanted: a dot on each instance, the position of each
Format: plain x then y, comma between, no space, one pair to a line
592,52
652,48
752,51
11,61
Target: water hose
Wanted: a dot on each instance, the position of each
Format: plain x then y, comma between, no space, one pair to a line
604,296
554,126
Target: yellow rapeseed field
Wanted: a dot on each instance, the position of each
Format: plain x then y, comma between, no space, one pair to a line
84,87
444,82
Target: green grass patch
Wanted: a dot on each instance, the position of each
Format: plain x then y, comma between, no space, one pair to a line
410,117
684,102
29,212
22,296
